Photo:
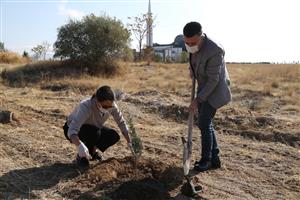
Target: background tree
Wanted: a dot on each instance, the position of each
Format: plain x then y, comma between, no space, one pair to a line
38,51
93,39
138,27
2,46
41,50
184,57
25,54
45,49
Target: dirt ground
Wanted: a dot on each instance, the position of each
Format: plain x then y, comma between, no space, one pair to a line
260,148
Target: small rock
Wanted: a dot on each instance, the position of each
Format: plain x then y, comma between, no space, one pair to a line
6,116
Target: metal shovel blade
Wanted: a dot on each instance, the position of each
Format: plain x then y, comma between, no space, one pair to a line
189,189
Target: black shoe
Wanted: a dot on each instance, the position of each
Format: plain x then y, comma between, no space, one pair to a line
202,165
96,156
82,162
216,162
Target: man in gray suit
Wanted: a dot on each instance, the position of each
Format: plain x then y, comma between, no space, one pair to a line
208,68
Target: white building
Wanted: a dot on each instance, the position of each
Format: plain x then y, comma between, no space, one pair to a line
168,52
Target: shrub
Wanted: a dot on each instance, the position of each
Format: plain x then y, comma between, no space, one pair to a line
93,39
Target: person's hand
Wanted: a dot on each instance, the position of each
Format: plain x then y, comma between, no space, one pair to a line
193,106
83,150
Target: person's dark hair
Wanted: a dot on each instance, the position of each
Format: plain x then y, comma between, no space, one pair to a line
191,29
104,93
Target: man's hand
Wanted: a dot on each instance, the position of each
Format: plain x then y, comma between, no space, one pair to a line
83,150
193,106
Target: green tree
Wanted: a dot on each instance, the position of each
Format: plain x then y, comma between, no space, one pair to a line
93,39
25,54
2,46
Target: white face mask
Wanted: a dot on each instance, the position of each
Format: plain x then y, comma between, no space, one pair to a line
101,109
192,49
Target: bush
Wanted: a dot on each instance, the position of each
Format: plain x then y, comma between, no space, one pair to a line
93,39
158,58
128,55
184,57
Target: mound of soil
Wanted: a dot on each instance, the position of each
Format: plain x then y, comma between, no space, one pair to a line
129,178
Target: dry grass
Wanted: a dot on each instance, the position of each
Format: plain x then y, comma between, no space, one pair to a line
268,80
268,83
255,87
272,75
258,133
171,78
249,81
12,58
46,71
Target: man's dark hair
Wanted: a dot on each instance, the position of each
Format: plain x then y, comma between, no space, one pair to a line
191,29
104,93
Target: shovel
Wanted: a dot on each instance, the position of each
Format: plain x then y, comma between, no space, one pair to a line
188,188
187,145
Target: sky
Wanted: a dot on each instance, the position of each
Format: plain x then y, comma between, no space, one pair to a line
249,30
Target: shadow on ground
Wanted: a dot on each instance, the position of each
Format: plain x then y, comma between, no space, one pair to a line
20,183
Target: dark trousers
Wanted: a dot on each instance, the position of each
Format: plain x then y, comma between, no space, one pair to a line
209,143
93,137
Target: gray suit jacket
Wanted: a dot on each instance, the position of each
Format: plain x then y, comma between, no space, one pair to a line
209,68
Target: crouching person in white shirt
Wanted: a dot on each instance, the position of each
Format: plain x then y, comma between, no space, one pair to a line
85,126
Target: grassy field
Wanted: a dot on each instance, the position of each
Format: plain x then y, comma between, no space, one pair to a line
258,133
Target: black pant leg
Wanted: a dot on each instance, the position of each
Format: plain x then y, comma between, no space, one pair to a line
89,135
66,128
205,122
108,138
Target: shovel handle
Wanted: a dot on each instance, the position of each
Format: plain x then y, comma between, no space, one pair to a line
186,158
191,120
193,89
